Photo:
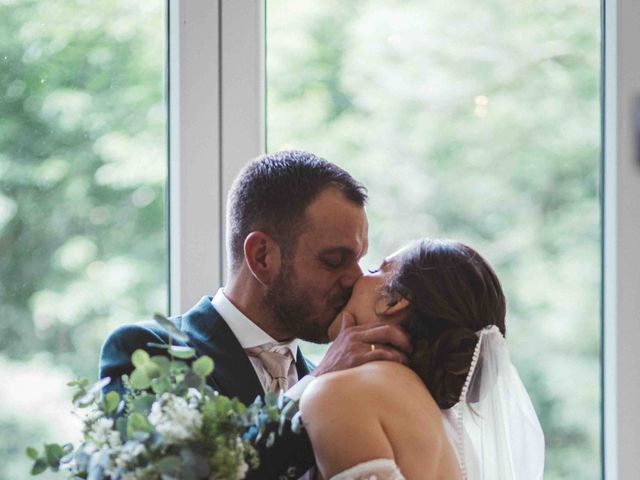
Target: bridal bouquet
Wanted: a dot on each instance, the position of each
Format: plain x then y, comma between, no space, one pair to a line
169,425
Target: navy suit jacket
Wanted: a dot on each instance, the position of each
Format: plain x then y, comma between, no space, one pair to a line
291,455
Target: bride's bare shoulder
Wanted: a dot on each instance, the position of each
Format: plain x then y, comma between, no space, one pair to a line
367,386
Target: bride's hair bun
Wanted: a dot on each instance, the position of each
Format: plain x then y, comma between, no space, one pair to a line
453,293
443,363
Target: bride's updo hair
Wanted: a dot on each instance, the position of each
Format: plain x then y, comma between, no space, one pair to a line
453,293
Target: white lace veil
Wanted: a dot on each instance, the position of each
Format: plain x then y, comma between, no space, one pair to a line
494,427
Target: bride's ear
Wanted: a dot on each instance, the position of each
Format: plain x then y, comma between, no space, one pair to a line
386,306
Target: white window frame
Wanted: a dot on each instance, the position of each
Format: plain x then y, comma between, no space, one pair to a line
621,276
216,124
216,97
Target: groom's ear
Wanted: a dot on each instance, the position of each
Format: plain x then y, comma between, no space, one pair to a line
263,257
387,307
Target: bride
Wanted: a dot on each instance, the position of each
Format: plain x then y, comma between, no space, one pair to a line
458,411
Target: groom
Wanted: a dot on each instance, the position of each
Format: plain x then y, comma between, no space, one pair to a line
296,231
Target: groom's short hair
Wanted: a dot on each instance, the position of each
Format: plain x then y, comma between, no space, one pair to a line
272,193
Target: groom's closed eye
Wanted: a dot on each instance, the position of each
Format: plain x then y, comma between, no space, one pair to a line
332,260
335,258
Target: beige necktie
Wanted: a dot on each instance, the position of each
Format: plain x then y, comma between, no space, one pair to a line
277,366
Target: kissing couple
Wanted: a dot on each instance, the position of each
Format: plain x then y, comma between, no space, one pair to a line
417,382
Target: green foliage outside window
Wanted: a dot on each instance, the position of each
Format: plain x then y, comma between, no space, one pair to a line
82,173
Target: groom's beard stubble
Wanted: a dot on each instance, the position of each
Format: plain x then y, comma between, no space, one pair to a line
293,308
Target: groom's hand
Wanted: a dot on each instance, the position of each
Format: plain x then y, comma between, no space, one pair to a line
352,346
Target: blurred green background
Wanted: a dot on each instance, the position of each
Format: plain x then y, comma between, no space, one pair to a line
82,178
472,120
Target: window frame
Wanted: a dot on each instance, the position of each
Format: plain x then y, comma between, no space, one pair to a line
215,93
621,230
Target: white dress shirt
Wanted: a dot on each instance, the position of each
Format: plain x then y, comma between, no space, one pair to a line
251,335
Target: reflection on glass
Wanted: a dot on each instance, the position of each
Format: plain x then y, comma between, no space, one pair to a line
82,171
477,122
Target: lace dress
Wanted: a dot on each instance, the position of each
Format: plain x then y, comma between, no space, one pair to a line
378,469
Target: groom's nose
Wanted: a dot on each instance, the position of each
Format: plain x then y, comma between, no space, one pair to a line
351,275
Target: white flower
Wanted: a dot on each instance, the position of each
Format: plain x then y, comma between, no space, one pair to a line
104,458
138,450
174,419
90,417
127,455
194,397
90,448
101,430
114,438
243,468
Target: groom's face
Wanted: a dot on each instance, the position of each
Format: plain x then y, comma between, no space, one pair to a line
317,277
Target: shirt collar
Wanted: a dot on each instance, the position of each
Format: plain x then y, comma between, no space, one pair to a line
246,331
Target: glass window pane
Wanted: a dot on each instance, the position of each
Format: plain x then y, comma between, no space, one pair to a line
82,175
477,121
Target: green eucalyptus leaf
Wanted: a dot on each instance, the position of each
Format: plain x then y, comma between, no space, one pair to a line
270,399
273,415
192,380
178,367
143,403
195,463
111,401
169,465
152,370
39,466
222,404
162,363
121,426
53,452
203,366
181,352
140,358
32,453
170,327
160,385
238,406
180,389
139,379
138,423
208,391
77,395
163,346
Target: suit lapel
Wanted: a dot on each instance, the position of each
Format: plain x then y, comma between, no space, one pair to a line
302,366
233,374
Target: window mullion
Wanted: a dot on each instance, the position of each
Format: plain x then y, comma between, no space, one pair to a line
194,166
621,234
243,88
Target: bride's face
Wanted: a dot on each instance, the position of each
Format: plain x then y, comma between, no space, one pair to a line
369,302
